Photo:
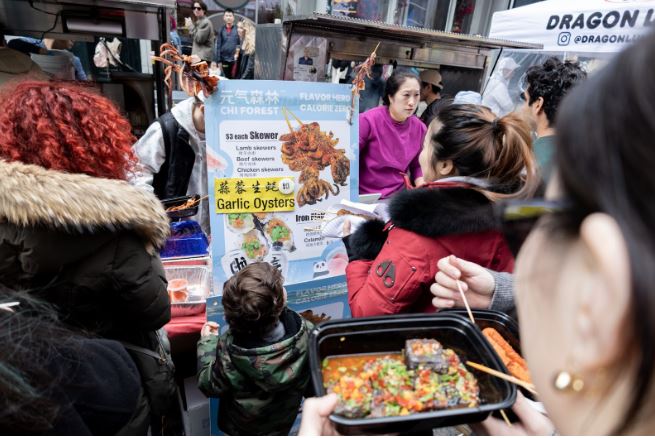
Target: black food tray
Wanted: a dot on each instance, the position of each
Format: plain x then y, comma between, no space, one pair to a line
388,334
180,214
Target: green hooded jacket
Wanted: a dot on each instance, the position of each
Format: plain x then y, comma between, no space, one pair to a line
260,389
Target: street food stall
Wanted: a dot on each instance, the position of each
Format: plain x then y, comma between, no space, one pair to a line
140,94
312,47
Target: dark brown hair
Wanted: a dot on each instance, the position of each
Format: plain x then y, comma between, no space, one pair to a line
201,4
605,162
484,146
253,299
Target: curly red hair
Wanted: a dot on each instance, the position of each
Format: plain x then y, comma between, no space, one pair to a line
65,127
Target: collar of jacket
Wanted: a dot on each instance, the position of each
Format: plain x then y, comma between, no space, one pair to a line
442,209
34,196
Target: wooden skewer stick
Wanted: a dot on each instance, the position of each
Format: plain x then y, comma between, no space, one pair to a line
512,379
286,118
295,117
504,415
466,303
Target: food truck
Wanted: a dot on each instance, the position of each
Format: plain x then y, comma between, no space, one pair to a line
333,43
140,25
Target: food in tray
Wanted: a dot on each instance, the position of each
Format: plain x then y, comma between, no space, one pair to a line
427,353
252,245
190,203
344,212
240,222
278,232
512,360
382,385
178,290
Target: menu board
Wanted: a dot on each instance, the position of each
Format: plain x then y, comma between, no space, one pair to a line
279,155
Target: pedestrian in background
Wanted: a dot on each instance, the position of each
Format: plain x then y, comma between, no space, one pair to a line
175,37
547,84
227,41
246,52
431,88
202,32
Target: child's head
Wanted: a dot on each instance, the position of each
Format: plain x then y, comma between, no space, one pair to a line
469,140
253,299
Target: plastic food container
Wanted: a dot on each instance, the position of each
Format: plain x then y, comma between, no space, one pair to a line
187,285
388,334
506,326
508,329
180,200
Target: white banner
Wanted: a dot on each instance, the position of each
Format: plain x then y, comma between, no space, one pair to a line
582,26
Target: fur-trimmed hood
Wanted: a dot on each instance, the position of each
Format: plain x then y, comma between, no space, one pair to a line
431,212
32,196
439,211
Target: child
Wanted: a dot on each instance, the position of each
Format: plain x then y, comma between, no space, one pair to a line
259,367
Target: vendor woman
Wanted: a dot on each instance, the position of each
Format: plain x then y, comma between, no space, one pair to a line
390,138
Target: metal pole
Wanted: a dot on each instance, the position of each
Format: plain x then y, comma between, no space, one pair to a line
452,7
163,104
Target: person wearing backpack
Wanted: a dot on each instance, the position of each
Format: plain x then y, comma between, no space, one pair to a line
172,156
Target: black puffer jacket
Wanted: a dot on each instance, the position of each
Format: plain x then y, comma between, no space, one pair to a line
87,245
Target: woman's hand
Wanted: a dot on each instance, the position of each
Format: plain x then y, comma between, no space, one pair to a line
476,282
188,22
420,181
346,228
532,422
210,328
315,413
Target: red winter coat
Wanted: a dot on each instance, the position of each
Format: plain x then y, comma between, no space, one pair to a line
391,269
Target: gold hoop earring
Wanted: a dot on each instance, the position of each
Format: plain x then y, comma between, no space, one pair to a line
568,382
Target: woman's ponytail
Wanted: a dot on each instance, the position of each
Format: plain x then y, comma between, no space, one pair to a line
481,145
514,165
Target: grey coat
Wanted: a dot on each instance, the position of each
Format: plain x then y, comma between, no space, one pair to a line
203,39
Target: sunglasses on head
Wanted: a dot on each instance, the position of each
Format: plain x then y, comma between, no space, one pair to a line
517,218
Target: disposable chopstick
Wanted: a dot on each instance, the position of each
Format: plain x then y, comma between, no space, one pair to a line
512,379
466,303
504,415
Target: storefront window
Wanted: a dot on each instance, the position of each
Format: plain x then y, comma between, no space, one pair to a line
430,14
366,9
417,13
459,16
463,16
268,11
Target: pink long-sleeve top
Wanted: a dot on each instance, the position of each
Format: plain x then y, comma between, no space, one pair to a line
388,148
